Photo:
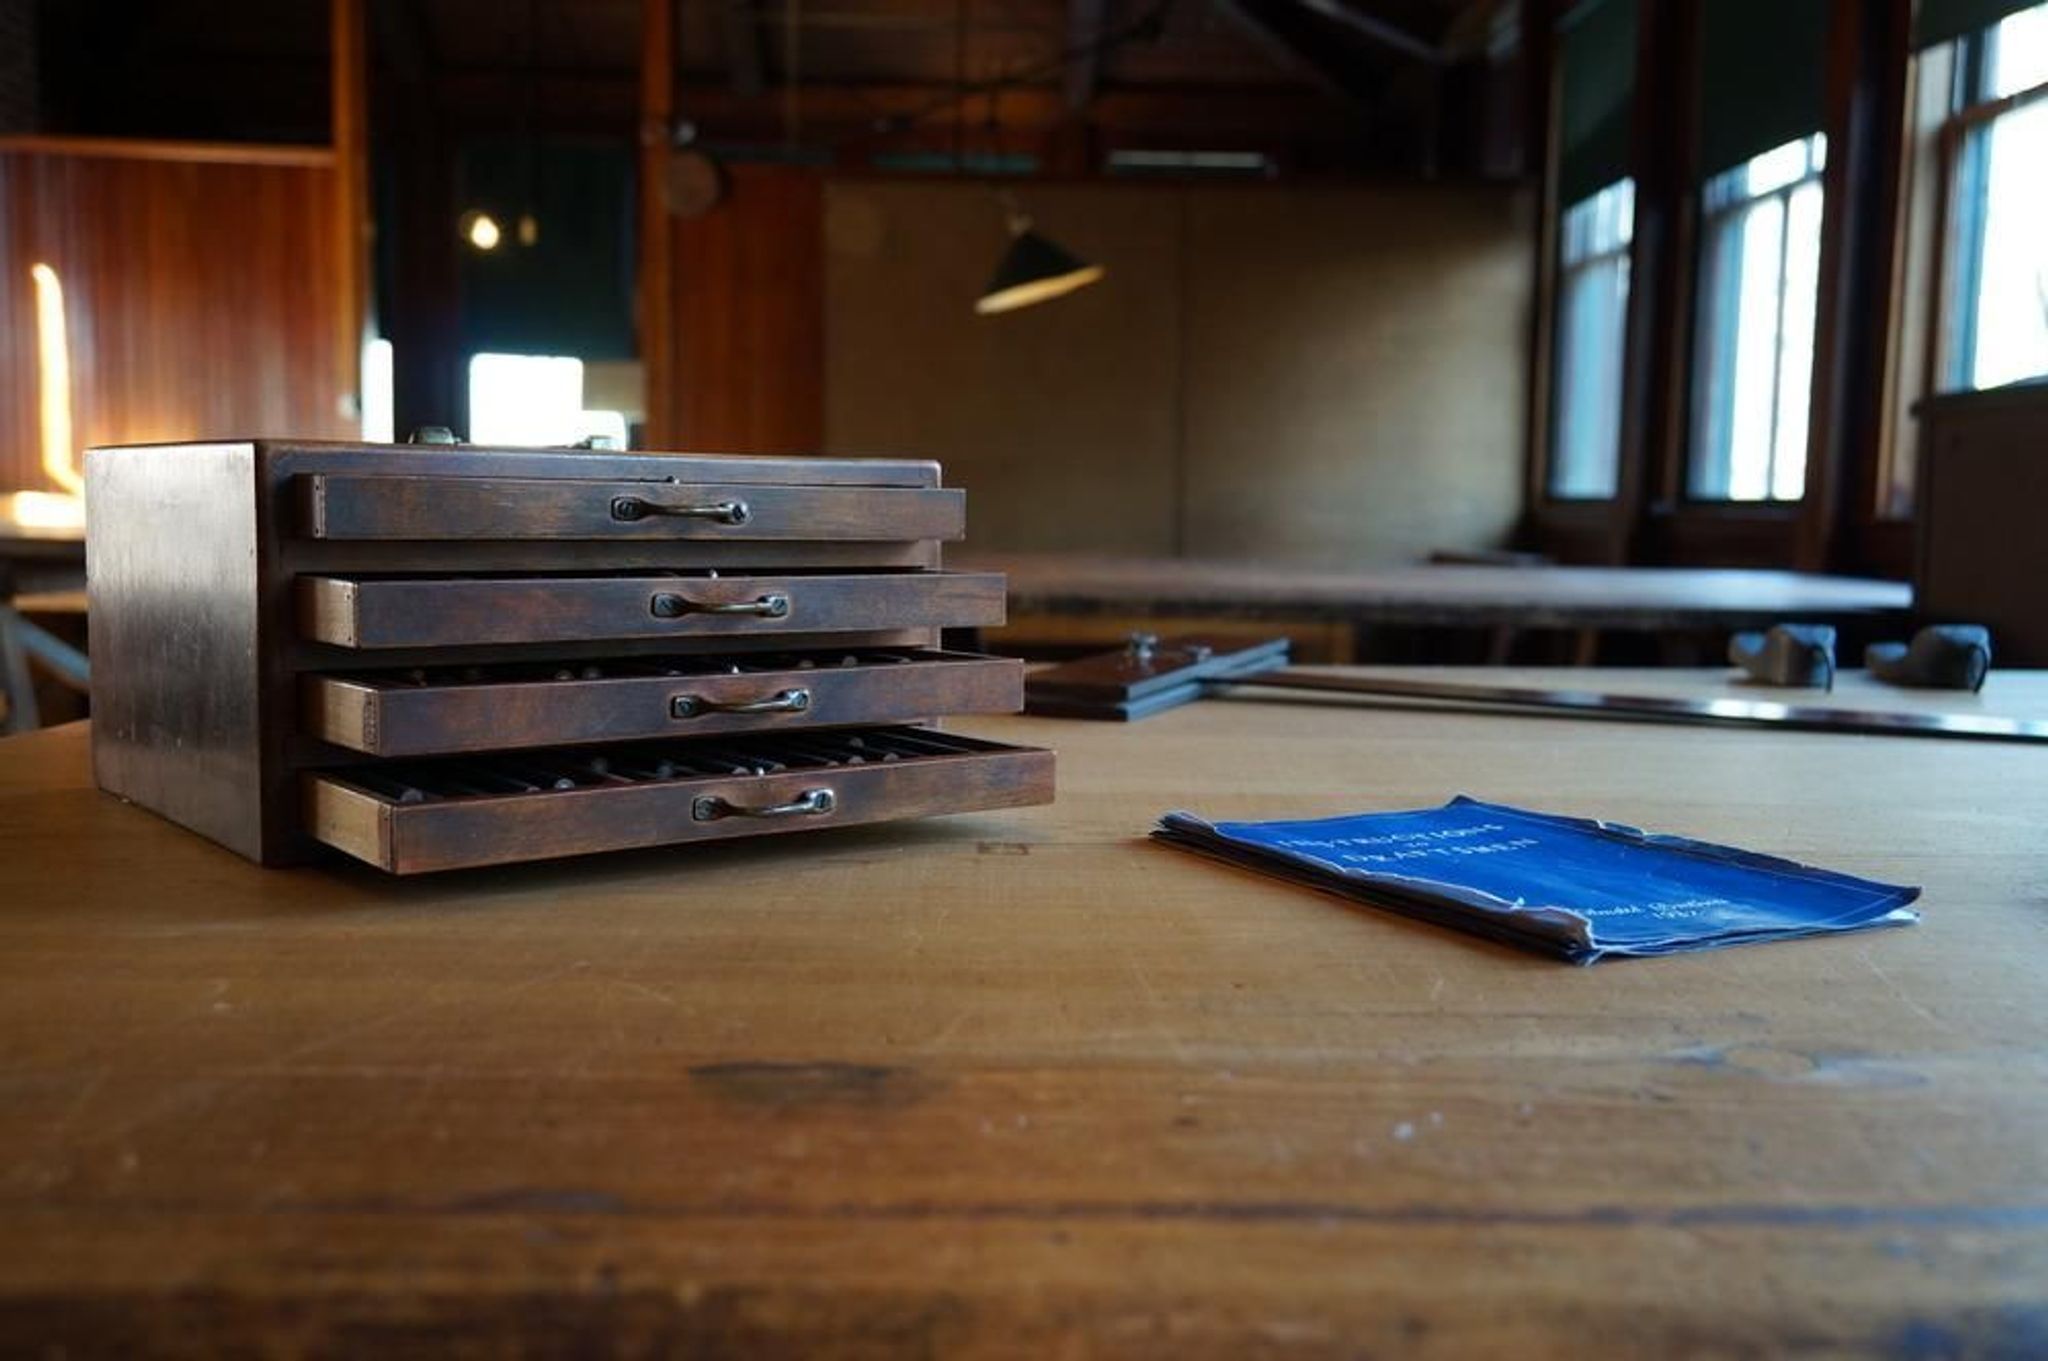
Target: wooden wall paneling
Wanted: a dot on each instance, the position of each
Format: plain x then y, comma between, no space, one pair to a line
200,295
20,434
747,372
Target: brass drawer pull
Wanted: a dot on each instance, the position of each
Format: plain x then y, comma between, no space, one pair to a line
631,508
669,605
695,706
810,803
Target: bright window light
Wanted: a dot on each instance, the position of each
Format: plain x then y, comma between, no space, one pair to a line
1998,264
525,399
2019,52
53,381
607,428
1592,330
2010,340
379,422
1760,280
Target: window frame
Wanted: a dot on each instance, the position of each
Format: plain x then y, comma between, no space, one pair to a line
1944,108
1960,238
1564,271
1717,293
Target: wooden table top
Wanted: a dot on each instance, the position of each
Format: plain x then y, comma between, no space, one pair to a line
1534,597
1021,1084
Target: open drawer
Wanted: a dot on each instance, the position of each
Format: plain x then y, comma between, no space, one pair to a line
389,506
454,611
454,813
429,710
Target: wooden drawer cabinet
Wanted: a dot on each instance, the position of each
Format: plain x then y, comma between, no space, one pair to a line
343,506
425,711
431,658
442,611
458,814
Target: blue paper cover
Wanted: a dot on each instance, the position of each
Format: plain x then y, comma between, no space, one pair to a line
1576,887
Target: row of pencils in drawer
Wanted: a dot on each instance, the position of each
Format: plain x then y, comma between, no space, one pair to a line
470,657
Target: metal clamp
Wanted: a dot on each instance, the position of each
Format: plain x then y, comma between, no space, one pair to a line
810,803
631,508
669,605
696,706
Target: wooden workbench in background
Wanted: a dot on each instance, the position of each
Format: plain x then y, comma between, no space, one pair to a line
1023,1085
1065,598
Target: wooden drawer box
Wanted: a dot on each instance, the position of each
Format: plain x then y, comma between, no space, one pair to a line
455,814
342,506
435,657
421,712
442,611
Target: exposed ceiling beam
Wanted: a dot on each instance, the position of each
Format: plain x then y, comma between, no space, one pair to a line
1383,31
743,47
1084,36
1280,27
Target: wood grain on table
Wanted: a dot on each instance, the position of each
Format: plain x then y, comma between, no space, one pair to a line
1021,1084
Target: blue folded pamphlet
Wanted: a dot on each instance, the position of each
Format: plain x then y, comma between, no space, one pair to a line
1576,888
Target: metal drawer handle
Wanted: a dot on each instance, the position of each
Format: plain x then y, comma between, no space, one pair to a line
695,706
669,605
810,803
631,508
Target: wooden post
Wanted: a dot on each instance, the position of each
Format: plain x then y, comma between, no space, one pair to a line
1655,380
349,131
657,292
1868,53
1539,165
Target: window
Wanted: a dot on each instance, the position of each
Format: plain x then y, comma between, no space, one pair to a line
1759,286
378,397
1592,333
534,400
1597,42
1996,275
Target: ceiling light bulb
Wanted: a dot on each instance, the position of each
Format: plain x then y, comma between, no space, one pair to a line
481,230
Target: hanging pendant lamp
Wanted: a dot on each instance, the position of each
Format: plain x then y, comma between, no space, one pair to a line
1033,269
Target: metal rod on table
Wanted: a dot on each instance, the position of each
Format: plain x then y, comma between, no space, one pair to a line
1721,710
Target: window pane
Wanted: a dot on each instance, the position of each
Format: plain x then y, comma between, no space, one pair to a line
2007,318
1759,284
1592,330
1795,347
524,399
378,370
2019,53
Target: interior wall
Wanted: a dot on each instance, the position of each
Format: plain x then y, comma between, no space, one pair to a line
1316,376
199,296
1060,420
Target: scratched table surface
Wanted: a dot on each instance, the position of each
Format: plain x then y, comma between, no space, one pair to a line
1022,1084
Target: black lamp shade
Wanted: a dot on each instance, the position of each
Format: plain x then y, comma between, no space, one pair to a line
1034,269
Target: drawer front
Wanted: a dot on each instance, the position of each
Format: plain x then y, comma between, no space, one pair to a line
454,814
489,708
356,506
372,612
